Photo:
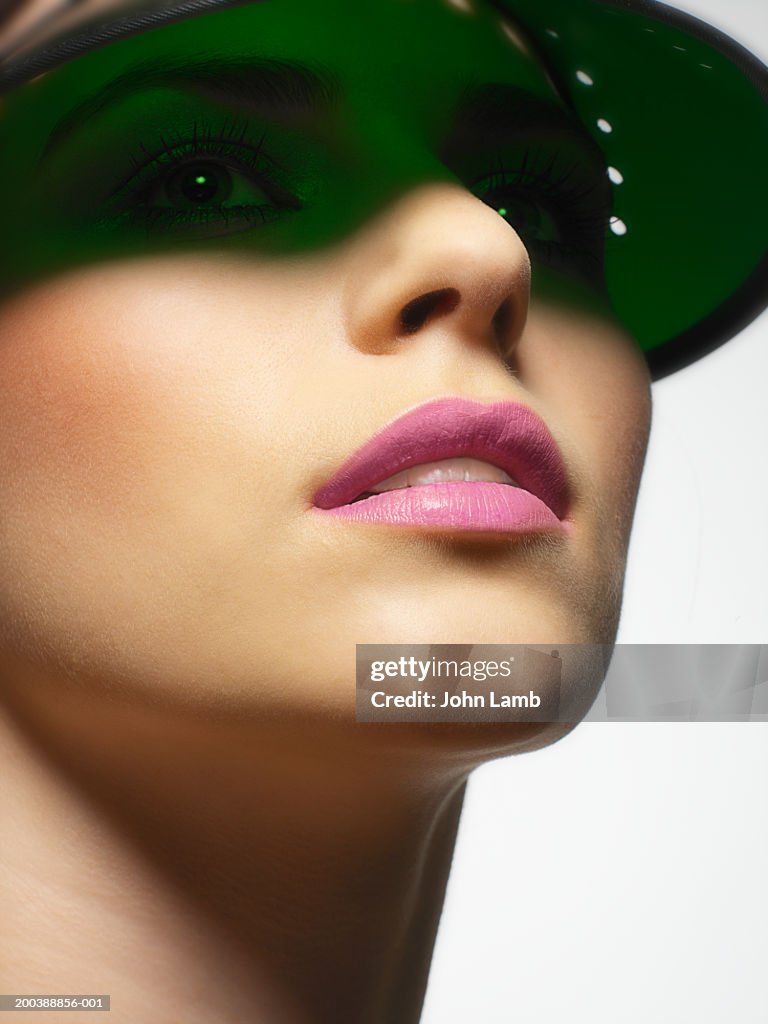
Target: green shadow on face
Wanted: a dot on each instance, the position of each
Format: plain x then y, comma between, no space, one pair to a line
283,128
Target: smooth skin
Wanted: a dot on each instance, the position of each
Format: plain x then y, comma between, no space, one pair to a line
198,825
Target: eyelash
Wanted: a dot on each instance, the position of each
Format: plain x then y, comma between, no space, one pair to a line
230,149
579,206
576,204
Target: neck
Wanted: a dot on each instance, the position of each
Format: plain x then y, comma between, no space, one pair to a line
199,867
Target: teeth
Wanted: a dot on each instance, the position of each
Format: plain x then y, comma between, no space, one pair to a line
445,470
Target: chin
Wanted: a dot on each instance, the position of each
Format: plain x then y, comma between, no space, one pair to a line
462,741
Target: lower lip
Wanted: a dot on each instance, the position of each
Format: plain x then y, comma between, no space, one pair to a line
477,506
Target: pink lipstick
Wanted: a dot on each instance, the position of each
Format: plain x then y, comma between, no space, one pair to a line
454,464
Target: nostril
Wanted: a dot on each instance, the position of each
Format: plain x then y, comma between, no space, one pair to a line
416,313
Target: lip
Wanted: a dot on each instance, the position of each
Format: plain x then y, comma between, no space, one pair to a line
506,434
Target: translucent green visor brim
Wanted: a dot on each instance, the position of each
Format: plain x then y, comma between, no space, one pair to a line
681,114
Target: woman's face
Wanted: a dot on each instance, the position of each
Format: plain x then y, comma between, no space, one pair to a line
214,231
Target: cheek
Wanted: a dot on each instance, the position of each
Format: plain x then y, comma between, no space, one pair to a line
116,386
596,383
138,453
74,400
594,387
614,407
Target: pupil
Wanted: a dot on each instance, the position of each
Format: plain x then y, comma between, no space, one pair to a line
199,183
522,214
525,215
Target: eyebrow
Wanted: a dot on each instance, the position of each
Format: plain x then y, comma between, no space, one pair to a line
267,86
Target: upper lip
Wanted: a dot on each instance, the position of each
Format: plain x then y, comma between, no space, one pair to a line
506,434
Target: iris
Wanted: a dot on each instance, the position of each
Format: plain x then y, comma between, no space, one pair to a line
199,183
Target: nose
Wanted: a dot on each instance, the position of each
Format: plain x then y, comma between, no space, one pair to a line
437,256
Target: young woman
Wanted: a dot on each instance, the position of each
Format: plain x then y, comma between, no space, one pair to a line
260,261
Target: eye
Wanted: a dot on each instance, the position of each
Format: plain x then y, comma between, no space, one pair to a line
528,216
559,208
196,184
201,183
203,188
207,197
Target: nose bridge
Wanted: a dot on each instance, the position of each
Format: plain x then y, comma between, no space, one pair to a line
394,137
441,250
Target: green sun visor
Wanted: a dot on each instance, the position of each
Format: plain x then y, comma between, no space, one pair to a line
681,113
678,110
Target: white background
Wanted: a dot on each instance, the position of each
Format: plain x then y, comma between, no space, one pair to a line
621,875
